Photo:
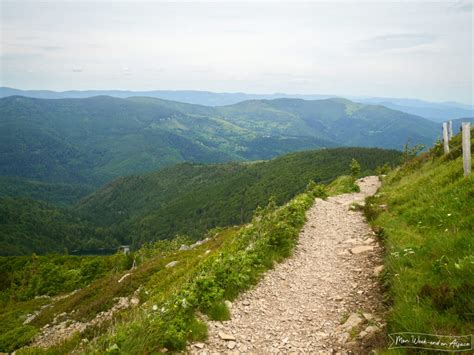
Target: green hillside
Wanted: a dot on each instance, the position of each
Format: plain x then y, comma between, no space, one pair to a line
59,194
91,141
96,139
170,298
424,215
190,199
28,226
183,199
337,120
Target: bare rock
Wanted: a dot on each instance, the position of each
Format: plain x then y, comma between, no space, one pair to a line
368,316
184,247
353,321
343,338
231,344
369,241
226,337
372,329
362,334
199,345
378,270
361,249
171,264
124,277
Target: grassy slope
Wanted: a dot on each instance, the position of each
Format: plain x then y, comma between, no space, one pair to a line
24,278
200,282
428,234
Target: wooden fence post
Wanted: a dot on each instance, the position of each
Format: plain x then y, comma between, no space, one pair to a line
450,130
445,138
466,147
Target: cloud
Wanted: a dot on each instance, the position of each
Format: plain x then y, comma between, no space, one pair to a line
395,41
52,48
463,6
77,69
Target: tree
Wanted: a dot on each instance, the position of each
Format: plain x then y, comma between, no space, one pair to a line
355,168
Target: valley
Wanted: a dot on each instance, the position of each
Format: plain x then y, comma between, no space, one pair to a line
91,141
210,199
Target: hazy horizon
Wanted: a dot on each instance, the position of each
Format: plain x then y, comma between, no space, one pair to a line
413,50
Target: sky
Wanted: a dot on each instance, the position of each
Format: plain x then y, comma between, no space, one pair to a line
409,49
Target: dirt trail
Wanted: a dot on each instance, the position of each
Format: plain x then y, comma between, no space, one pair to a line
325,298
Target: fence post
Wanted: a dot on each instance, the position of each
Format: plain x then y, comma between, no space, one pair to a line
450,130
466,147
445,138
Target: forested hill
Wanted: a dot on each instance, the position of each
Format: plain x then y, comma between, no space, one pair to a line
183,199
338,120
94,140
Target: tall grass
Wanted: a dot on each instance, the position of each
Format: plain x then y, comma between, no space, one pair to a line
427,226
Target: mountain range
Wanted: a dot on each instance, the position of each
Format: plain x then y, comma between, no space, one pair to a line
434,111
92,141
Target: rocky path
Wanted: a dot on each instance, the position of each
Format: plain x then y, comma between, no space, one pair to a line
323,299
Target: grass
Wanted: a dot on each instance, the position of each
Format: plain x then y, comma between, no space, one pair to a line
219,311
172,299
343,184
427,228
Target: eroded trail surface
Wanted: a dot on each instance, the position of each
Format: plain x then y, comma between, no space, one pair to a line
323,299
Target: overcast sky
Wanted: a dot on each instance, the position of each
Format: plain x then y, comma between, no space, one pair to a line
413,49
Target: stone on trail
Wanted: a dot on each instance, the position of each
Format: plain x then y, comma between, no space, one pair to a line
371,329
343,338
362,334
378,270
368,316
226,337
353,321
361,249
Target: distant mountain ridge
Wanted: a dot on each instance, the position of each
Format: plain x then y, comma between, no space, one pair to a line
435,111
94,140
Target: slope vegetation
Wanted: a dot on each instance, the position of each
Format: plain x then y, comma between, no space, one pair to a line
171,286
184,199
190,199
424,213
